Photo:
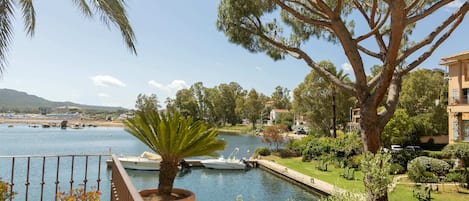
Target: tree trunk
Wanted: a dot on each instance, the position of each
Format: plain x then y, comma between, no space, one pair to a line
370,128
168,171
334,117
370,132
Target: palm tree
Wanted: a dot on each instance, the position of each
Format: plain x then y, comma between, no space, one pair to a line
342,77
174,138
111,12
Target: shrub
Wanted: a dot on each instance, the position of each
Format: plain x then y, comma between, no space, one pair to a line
454,177
396,169
354,161
287,153
5,191
263,151
424,169
375,168
403,157
438,155
79,194
345,196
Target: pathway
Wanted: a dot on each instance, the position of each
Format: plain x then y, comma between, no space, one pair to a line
301,178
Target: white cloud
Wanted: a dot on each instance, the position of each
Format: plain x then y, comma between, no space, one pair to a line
107,81
455,4
258,68
170,88
103,95
346,67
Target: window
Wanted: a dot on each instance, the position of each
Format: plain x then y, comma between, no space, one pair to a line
466,72
455,130
465,131
455,96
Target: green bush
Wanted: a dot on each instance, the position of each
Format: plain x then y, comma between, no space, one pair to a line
454,177
263,151
345,196
396,169
287,153
354,161
424,169
438,155
5,191
403,157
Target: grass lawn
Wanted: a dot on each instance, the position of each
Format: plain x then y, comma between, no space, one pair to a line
236,128
446,192
332,175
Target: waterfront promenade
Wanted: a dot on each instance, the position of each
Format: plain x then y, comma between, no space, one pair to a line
302,179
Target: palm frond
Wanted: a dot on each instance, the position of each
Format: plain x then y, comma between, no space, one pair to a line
113,12
6,29
84,7
29,16
173,136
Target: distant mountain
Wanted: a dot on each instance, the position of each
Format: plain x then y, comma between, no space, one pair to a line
17,100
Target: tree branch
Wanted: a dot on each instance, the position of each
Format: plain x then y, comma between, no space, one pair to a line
369,52
371,24
428,40
322,15
427,12
302,55
300,16
338,8
430,51
391,103
389,64
374,29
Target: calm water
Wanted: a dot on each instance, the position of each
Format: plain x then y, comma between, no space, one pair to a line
208,185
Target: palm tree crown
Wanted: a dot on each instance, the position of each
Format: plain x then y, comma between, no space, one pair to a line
111,12
174,138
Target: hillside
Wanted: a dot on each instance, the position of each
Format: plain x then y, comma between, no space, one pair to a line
17,100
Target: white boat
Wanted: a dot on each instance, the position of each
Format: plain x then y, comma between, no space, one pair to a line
230,163
146,161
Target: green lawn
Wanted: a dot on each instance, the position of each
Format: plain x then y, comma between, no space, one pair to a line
236,128
445,193
332,176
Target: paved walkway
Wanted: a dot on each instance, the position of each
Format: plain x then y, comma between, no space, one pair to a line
301,178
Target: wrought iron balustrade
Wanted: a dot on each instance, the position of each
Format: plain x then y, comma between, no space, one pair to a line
42,176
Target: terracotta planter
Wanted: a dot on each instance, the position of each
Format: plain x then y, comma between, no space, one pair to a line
185,194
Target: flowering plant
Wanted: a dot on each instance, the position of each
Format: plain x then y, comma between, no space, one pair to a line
79,194
5,189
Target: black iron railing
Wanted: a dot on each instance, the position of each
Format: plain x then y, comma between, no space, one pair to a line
43,176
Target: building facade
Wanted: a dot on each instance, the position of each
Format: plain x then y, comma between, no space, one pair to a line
458,96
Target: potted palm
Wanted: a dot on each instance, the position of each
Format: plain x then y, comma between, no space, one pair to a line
174,138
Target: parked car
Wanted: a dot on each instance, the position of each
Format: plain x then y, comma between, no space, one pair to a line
299,131
413,148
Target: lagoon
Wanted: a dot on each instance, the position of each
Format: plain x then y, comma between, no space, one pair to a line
207,184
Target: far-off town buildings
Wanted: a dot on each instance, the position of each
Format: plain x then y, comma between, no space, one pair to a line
458,96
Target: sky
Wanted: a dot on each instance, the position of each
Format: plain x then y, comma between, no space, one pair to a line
73,58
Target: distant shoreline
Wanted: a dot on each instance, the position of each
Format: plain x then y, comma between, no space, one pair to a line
71,122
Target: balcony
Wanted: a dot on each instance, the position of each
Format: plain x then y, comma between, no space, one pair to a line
42,177
461,101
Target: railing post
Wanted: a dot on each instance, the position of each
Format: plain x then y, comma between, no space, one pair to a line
57,178
42,177
12,176
122,187
27,178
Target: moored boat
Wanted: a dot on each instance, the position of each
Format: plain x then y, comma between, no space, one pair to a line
146,161
230,163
